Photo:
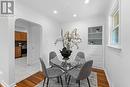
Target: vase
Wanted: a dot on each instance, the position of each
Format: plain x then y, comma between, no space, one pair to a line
65,53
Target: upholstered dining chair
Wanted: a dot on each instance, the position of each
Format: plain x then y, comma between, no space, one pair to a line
81,54
51,73
79,59
52,55
81,74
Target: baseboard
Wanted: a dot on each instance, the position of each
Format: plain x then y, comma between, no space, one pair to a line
4,84
108,78
101,68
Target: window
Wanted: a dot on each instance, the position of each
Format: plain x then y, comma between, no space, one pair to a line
115,27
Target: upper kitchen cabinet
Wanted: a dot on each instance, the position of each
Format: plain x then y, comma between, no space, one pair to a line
20,36
17,36
23,36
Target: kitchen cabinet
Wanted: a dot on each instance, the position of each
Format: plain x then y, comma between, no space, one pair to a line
18,52
17,36
23,36
20,36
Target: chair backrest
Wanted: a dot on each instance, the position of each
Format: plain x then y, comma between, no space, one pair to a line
85,70
43,68
81,54
52,55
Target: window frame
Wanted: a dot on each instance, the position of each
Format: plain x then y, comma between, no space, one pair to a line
114,11
115,27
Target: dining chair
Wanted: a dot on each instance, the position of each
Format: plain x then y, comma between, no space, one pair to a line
79,59
50,73
52,55
81,55
81,74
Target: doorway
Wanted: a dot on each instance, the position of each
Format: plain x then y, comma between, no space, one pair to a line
27,48
20,44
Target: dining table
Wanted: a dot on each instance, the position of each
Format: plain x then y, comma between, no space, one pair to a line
65,66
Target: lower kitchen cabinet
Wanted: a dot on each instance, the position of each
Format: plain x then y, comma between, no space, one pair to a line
18,52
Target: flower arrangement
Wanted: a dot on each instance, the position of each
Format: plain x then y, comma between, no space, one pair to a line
69,39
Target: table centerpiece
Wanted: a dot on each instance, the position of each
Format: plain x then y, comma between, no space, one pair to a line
69,40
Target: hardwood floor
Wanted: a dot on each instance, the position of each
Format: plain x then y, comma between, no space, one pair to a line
101,78
1,85
38,77
31,81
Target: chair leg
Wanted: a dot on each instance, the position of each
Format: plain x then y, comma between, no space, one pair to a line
88,82
68,81
61,81
58,80
44,81
79,83
47,82
65,77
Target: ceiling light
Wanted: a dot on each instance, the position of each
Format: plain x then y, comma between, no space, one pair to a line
74,15
55,11
86,1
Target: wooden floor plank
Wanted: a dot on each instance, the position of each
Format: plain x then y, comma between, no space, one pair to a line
1,85
38,77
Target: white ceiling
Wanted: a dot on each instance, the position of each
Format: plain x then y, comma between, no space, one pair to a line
66,8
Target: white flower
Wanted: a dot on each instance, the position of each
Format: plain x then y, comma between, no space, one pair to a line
70,39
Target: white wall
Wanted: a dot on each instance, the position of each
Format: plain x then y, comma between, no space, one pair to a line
91,52
117,62
33,44
7,50
50,28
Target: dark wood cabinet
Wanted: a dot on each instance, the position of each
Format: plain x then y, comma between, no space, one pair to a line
17,36
23,36
20,36
18,52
